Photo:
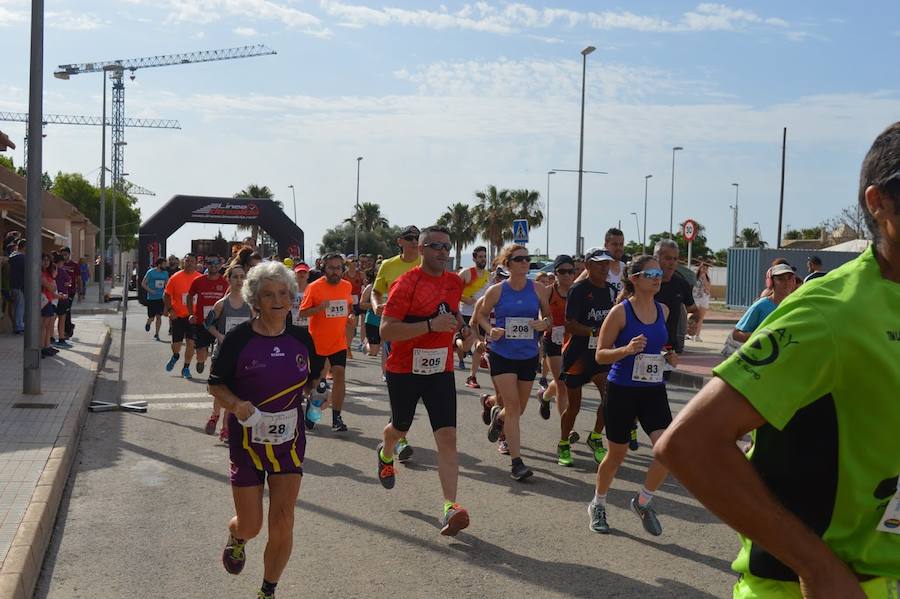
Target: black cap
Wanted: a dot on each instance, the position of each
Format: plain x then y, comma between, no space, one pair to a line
410,230
814,260
563,259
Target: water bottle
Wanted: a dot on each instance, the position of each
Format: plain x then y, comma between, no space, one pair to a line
314,412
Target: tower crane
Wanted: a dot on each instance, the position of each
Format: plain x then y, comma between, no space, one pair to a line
69,119
117,70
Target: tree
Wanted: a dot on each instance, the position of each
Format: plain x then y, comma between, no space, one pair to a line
76,190
633,248
255,191
382,240
853,217
699,249
750,238
7,163
367,217
526,206
493,216
460,221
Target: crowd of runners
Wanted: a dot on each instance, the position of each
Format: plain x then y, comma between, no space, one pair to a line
280,335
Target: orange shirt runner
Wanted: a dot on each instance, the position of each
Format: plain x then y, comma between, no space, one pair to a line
177,289
329,327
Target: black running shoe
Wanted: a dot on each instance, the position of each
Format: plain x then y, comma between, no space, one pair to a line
201,366
233,557
496,425
520,471
485,409
545,409
338,426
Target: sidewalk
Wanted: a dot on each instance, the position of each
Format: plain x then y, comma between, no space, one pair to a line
699,358
91,304
38,440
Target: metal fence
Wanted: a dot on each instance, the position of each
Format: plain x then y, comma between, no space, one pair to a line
747,269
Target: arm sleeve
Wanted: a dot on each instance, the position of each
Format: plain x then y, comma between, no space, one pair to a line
400,298
787,364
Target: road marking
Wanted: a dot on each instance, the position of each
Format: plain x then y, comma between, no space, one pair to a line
183,405
151,396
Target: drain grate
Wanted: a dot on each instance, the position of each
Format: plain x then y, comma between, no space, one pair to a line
25,405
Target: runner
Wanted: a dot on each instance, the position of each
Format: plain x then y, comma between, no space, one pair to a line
614,244
356,279
817,504
301,273
208,289
227,313
590,301
632,339
175,298
259,376
327,303
389,271
420,321
564,268
154,283
373,324
514,347
476,280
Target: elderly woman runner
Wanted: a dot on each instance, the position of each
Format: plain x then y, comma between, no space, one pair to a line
263,368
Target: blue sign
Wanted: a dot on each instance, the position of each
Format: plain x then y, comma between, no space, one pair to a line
520,231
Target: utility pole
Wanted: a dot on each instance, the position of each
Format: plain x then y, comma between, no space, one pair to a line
578,240
356,216
672,200
781,197
644,238
737,187
548,210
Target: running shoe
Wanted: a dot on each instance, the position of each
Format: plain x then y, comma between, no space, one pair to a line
595,442
171,363
186,373
47,352
543,384
564,454
520,471
502,447
472,383
483,362
633,442
223,435
156,337
648,517
201,366
53,351
485,409
262,595
496,424
574,437
598,518
462,364
385,471
403,450
61,343
545,407
454,520
147,327
338,426
210,427
233,557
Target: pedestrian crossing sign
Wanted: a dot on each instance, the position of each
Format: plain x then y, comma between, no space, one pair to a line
520,231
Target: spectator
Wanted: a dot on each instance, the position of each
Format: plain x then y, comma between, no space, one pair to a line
174,265
62,301
701,294
783,284
74,272
85,276
814,266
49,299
17,284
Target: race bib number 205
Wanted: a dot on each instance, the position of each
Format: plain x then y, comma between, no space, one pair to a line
429,361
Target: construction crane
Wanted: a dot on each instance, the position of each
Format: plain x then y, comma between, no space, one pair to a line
68,119
117,68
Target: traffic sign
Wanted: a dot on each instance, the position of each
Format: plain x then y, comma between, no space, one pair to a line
520,231
690,230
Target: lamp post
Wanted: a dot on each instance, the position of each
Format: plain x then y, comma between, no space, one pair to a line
548,210
637,225
759,231
294,195
737,188
578,241
644,238
672,200
356,216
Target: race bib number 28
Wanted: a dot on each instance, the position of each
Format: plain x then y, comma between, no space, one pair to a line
275,428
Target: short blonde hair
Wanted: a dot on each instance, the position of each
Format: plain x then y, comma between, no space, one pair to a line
507,252
267,271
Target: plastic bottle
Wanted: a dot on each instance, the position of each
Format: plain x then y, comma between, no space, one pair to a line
314,412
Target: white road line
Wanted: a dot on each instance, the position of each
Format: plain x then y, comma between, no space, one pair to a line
151,396
183,405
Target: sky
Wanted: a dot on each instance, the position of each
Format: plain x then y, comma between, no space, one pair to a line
443,99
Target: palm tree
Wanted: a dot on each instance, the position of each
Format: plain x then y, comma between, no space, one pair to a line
368,217
493,216
750,238
460,221
256,191
526,205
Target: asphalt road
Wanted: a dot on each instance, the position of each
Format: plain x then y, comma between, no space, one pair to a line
145,512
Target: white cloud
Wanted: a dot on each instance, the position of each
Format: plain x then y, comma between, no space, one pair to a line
9,15
515,17
245,31
69,21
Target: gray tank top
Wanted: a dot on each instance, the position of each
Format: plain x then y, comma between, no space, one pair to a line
232,317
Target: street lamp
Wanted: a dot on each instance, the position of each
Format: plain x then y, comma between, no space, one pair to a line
584,55
644,238
737,188
356,219
672,201
759,230
294,195
548,210
637,226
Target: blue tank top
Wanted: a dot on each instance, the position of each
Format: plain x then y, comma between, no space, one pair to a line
516,304
657,337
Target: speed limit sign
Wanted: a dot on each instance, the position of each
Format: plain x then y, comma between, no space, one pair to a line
690,230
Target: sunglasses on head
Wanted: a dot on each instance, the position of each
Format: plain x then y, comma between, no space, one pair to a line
520,259
439,246
651,273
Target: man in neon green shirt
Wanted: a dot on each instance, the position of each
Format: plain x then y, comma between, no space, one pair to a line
817,503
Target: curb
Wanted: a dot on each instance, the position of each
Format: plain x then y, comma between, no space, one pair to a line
25,559
688,379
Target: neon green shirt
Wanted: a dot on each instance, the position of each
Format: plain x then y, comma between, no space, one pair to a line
390,271
824,371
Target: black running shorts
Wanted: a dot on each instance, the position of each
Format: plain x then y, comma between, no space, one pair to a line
624,404
372,334
181,328
437,392
525,370
338,358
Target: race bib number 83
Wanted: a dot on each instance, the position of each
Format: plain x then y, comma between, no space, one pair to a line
648,368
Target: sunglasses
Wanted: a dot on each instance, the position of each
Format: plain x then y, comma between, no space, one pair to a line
651,273
213,263
410,238
439,246
520,259
565,271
